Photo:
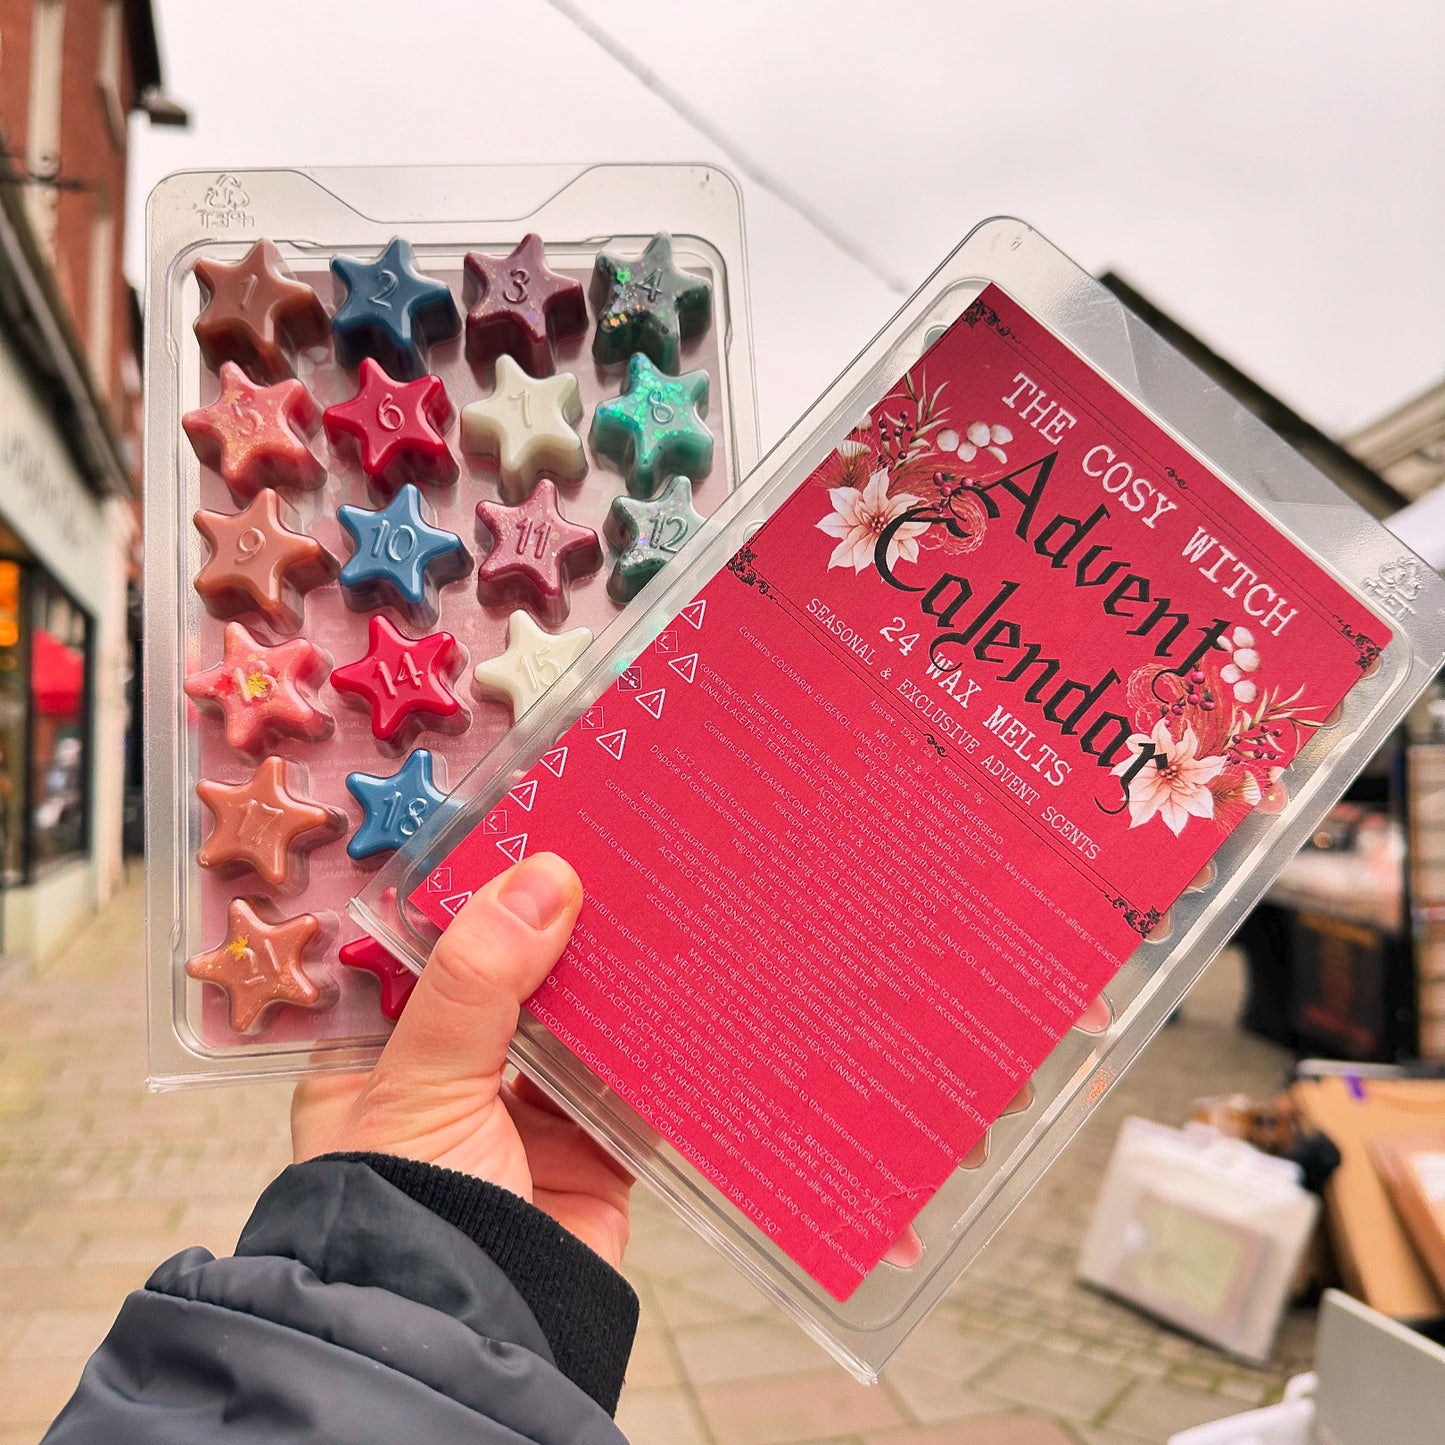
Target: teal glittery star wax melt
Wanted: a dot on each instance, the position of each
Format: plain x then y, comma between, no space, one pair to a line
655,428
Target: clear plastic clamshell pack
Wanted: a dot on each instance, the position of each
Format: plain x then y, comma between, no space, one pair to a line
388,459
913,800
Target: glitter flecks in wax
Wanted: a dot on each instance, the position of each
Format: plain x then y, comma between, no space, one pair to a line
260,965
521,306
263,693
255,436
655,427
534,553
646,304
647,535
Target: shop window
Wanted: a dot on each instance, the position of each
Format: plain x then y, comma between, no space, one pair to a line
14,705
59,635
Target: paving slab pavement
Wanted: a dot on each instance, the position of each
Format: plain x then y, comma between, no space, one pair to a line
100,1180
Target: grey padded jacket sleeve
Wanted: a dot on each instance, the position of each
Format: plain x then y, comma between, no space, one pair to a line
355,1311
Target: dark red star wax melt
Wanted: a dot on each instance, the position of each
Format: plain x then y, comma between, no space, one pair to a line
535,552
395,429
257,313
521,307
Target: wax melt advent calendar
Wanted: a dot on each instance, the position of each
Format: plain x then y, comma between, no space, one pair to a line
405,462
914,800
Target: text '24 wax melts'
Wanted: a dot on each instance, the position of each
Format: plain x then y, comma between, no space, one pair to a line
257,313
521,306
259,563
535,552
263,823
395,428
655,427
393,807
648,535
401,679
398,551
255,436
529,424
647,305
391,311
395,978
263,693
533,661
261,964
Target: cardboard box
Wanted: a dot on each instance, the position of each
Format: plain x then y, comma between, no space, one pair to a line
1413,1168
1378,1263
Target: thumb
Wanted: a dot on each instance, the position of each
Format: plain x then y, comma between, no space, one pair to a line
457,1025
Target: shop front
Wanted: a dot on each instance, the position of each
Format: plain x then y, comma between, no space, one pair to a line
63,671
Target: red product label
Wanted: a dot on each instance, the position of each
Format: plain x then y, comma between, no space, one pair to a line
883,809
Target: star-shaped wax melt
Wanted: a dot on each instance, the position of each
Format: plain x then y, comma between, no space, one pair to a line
260,823
255,436
529,425
535,552
394,807
521,306
647,535
400,677
397,548
258,562
395,978
655,427
263,692
647,305
391,311
533,661
257,313
260,964
395,428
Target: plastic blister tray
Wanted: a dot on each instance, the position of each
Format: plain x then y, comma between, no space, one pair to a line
312,218
1270,491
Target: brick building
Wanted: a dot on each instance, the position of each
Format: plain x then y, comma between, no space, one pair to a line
71,73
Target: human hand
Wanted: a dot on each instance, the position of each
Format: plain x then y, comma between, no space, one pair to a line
437,1093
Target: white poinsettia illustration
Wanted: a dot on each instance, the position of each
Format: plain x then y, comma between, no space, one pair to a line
858,519
1177,789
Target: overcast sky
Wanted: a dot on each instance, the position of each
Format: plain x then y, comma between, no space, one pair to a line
1273,174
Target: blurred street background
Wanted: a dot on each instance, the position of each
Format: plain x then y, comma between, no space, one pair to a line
1263,184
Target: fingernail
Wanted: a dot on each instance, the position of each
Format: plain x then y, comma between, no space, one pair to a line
539,889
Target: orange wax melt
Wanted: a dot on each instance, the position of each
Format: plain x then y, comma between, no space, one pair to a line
260,964
258,562
261,824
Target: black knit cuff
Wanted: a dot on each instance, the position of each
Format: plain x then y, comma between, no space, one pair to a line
587,1311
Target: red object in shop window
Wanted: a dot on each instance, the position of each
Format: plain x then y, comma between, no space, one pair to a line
57,676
